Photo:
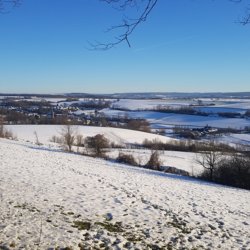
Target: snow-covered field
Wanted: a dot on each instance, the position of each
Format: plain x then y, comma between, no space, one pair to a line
52,199
235,139
116,135
135,104
213,105
181,160
161,120
141,109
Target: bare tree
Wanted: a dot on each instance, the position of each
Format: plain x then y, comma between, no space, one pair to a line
209,160
79,142
1,126
4,132
97,144
37,139
68,134
154,160
234,171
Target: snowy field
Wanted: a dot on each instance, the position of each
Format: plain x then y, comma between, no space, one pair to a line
181,160
52,199
116,135
235,139
135,104
161,120
208,104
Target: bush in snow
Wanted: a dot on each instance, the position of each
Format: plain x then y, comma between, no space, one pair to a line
139,124
234,171
5,133
127,159
97,144
154,161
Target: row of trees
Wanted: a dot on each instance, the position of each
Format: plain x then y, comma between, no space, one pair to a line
188,146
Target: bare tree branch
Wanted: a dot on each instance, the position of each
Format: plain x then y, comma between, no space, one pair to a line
128,25
209,160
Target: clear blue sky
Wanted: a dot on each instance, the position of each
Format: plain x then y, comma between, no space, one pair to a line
186,45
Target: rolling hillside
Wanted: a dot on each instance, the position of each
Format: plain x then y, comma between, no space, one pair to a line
54,199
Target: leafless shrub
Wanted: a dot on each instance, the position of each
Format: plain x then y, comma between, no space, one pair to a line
56,139
173,170
154,161
139,124
210,161
37,139
97,144
79,140
234,171
187,146
68,134
4,132
2,127
127,159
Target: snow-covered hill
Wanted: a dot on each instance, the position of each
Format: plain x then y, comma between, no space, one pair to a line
181,160
52,199
116,135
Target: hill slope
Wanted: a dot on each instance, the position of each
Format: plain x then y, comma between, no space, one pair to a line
116,135
49,198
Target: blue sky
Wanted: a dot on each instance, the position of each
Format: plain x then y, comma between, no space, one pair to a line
185,46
